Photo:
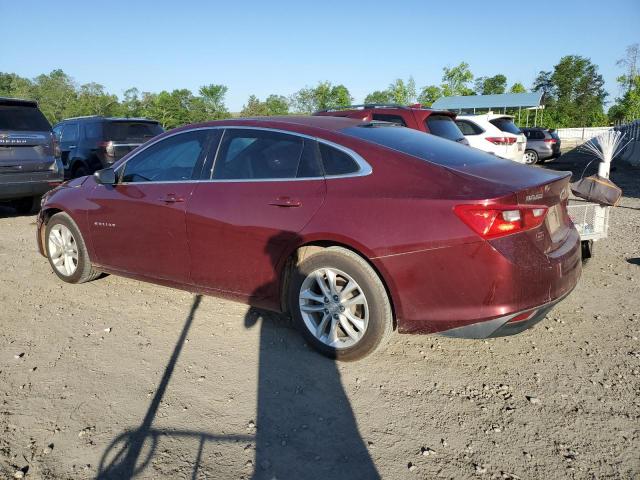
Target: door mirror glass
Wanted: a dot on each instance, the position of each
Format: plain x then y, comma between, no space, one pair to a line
105,176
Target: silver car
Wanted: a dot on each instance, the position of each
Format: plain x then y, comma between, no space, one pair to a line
29,157
542,144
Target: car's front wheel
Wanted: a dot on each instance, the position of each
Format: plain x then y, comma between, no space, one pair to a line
66,250
340,304
530,157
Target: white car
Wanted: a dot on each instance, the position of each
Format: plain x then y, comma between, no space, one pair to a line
494,133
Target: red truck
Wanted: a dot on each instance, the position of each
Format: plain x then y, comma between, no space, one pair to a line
437,122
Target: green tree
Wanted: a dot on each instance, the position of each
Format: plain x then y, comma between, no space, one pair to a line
401,92
254,108
213,98
379,96
131,105
491,85
93,100
56,94
456,80
574,93
273,105
517,88
279,105
323,96
429,94
630,65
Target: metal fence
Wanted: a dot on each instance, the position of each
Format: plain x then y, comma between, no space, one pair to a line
631,132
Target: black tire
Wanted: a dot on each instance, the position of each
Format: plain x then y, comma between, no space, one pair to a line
534,155
587,251
380,324
23,206
84,271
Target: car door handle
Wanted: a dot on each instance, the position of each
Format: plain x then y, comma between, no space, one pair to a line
286,202
171,198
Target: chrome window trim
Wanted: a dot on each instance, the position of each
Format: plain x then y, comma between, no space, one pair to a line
364,167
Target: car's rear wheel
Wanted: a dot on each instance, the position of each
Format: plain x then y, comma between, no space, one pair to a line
530,157
340,304
66,250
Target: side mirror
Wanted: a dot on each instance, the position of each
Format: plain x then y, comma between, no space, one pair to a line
106,176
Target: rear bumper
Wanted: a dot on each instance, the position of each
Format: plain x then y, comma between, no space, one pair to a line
503,326
448,288
33,188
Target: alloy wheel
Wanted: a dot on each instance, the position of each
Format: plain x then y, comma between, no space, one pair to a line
530,158
334,308
63,250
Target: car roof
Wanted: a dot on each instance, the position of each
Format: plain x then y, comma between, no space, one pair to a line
284,121
384,107
18,102
110,119
487,116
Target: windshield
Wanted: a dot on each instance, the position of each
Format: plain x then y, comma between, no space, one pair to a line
132,131
444,126
419,144
22,118
506,125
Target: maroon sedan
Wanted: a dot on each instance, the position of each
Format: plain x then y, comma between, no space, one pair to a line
354,228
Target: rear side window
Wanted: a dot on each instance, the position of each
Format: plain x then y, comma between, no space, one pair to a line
505,125
135,132
23,119
443,126
337,162
421,145
247,154
468,128
397,119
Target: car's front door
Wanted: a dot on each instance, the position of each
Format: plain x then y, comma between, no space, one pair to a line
138,225
265,188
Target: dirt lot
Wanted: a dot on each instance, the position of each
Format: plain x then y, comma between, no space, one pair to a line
117,378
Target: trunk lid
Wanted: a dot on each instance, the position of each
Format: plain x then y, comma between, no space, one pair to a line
24,152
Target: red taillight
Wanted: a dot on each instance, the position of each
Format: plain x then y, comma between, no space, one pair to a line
501,140
108,148
492,221
550,140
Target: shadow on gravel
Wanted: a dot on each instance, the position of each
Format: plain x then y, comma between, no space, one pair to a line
304,427
130,453
634,261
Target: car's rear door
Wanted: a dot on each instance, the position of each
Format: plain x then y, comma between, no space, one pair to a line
138,225
265,187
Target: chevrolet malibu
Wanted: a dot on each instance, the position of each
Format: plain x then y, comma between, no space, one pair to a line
356,229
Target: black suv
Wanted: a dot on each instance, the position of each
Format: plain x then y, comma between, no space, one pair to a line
29,156
92,143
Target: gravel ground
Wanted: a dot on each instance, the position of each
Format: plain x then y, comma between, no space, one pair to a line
117,378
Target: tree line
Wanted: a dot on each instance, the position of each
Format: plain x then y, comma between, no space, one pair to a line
574,95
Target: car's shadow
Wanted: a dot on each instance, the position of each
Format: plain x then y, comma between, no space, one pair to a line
304,427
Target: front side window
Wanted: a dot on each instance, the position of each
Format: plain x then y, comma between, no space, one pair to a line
172,159
247,154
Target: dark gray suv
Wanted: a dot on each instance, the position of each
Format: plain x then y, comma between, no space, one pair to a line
29,157
542,144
